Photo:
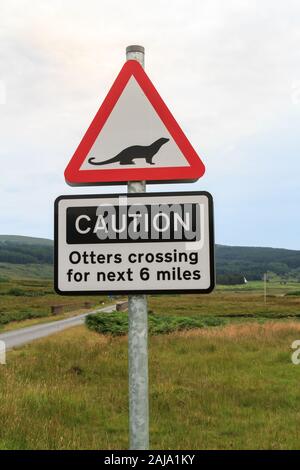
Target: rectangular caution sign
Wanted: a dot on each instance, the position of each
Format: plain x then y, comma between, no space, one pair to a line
134,243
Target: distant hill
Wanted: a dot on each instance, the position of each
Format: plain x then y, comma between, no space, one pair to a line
27,253
26,240
15,249
252,262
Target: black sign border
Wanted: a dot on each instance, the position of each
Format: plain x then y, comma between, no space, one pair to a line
133,292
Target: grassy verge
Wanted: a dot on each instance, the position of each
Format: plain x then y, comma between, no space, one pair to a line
15,325
30,301
231,387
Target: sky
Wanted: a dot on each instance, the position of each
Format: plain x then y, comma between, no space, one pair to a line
228,71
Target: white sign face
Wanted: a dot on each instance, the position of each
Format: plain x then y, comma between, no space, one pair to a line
134,243
133,123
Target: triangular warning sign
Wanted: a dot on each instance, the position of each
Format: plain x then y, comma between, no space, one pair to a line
133,137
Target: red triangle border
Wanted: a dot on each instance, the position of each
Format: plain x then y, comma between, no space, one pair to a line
76,177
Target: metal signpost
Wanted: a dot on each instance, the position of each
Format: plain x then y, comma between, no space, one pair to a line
138,334
134,243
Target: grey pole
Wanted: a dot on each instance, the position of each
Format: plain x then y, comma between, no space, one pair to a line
138,335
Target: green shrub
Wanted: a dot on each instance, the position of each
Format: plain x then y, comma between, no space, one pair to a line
116,323
15,315
16,291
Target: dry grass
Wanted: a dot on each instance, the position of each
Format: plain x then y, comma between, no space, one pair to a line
14,325
232,387
233,331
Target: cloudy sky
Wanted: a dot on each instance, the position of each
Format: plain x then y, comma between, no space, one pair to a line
228,71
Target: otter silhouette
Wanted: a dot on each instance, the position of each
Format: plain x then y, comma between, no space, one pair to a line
129,154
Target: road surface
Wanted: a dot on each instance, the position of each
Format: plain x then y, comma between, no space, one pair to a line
26,335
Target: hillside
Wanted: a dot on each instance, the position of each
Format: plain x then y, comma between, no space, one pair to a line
34,257
25,251
252,262
20,239
25,257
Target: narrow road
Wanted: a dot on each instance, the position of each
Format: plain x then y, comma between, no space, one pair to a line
25,335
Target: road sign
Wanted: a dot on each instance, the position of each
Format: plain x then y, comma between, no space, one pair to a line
137,243
133,137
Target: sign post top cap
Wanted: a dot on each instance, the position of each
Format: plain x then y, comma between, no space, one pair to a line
135,48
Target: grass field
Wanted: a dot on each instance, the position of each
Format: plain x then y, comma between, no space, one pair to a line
25,271
231,387
223,387
229,304
234,303
29,301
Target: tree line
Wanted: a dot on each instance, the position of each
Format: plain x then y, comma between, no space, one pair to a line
17,253
233,263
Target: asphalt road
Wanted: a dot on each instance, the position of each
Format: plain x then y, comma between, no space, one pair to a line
26,335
